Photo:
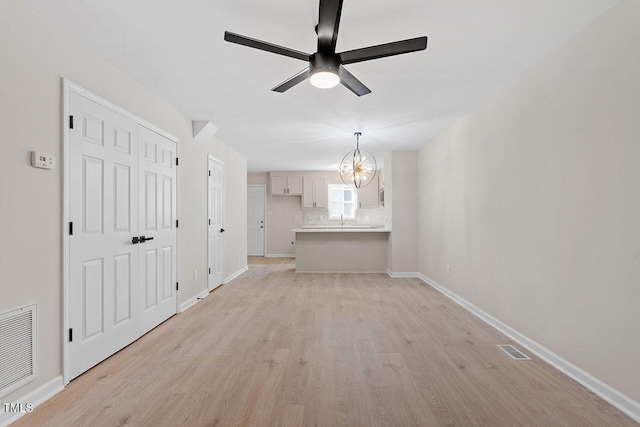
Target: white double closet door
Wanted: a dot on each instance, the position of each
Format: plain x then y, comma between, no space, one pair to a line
122,250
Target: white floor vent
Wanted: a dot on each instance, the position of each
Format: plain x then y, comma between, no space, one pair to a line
17,348
513,352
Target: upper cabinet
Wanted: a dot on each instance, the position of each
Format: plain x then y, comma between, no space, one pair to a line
314,193
369,196
285,185
294,185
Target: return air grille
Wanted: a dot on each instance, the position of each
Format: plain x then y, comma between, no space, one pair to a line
513,352
17,348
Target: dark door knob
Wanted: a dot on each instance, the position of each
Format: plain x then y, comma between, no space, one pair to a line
135,240
222,230
144,239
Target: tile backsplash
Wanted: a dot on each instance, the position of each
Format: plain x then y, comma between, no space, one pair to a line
320,216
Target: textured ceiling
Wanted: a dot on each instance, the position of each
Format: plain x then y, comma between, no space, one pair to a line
176,49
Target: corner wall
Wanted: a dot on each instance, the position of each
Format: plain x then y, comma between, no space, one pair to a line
401,211
36,55
534,202
192,237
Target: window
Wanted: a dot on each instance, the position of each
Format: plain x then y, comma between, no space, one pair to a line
342,201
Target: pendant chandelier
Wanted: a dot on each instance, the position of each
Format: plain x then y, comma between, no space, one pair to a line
358,167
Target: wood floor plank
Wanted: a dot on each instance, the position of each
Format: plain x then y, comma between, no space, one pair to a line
350,409
276,348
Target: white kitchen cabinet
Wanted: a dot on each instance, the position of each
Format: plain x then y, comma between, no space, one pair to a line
283,185
294,185
314,193
368,197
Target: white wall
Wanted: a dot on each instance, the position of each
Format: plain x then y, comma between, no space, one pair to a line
193,234
534,202
401,209
36,55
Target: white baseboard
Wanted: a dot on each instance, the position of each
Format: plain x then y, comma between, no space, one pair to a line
340,272
399,275
202,295
280,256
236,274
608,393
193,301
35,398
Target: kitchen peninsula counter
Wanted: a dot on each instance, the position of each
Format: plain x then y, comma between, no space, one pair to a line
341,230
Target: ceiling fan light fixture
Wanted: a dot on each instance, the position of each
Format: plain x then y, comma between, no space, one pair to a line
325,68
324,78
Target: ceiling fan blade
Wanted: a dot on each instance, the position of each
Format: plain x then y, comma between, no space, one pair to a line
269,47
292,81
328,23
382,50
350,82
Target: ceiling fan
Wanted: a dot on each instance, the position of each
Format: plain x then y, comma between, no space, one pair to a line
326,67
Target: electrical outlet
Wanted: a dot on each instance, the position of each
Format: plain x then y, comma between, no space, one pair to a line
195,274
448,270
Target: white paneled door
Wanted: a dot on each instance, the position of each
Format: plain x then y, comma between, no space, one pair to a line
256,195
215,235
121,184
157,248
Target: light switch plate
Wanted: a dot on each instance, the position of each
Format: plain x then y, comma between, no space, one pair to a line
43,160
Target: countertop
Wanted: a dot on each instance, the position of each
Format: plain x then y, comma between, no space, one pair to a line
339,229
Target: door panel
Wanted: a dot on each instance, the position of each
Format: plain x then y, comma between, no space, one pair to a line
167,273
93,187
93,302
167,203
149,208
122,198
255,220
123,290
150,268
103,264
216,223
158,204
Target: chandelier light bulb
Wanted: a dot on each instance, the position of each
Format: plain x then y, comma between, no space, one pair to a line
356,167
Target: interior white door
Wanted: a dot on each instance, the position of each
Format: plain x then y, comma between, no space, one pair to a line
216,223
256,196
103,210
157,247
122,187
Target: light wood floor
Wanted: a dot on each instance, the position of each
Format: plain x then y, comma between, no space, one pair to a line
279,348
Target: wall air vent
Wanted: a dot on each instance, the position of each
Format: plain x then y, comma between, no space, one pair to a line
17,348
513,352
